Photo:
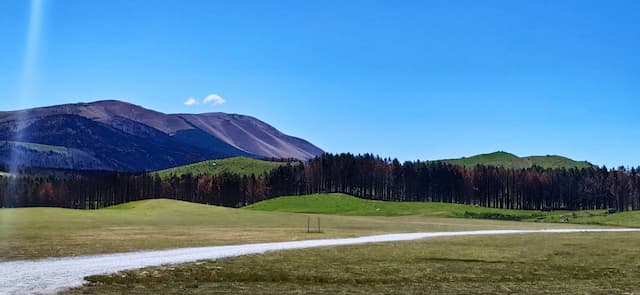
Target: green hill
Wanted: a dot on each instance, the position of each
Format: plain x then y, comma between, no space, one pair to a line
341,204
27,233
236,165
508,160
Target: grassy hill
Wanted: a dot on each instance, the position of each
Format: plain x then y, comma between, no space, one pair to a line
27,233
508,160
248,166
341,204
237,165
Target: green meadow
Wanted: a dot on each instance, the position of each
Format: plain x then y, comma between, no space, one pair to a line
27,233
236,165
593,263
341,204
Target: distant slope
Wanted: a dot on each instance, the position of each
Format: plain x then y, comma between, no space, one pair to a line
40,155
508,160
341,204
126,137
252,135
236,165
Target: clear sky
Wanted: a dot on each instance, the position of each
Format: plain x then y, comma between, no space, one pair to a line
407,79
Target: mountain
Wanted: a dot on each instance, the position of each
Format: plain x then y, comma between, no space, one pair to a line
508,160
119,136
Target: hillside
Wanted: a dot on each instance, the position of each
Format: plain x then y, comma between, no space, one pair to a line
236,165
119,136
508,160
28,233
40,155
341,204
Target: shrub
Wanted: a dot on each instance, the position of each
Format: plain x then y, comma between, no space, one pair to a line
491,215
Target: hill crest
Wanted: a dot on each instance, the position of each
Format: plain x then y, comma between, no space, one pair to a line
509,160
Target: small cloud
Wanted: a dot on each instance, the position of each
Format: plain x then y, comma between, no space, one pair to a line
191,101
214,98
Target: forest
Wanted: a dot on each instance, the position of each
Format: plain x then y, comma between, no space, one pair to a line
365,176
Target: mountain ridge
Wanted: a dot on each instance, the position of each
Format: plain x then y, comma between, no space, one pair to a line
129,137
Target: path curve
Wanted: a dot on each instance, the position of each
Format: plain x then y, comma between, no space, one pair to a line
48,276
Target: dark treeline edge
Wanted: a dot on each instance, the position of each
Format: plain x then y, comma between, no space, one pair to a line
365,176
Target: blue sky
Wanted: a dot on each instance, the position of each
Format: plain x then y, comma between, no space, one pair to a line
407,79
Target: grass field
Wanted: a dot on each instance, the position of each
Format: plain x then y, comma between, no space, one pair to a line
341,204
511,161
602,263
28,233
236,165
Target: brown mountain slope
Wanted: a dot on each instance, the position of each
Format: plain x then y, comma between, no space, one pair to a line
129,137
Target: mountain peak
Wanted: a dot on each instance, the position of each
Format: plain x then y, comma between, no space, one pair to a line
125,136
112,103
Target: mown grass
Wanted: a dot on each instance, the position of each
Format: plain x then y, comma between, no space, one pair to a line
236,165
341,204
589,263
510,161
28,233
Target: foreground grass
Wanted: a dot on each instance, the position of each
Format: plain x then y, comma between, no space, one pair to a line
342,204
235,165
29,233
594,263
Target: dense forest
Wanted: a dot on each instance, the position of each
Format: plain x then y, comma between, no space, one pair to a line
365,176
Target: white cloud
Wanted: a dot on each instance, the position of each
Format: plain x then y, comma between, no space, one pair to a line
213,98
191,101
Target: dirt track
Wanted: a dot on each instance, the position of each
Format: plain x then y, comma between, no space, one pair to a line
48,276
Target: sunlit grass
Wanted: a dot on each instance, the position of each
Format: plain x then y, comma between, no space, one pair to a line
27,233
341,204
589,263
235,165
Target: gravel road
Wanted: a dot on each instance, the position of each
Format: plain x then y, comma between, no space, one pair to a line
48,276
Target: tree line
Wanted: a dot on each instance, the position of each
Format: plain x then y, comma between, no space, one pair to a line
533,188
364,176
